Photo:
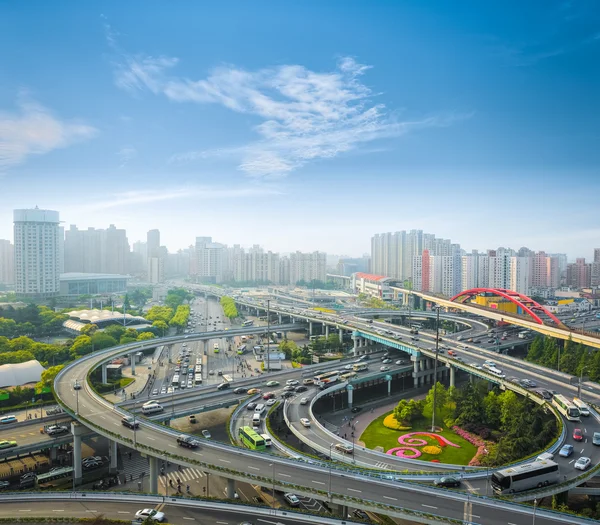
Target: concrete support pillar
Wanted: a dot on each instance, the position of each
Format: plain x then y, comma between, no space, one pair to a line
326,330
153,475
343,511
104,373
452,375
389,387
280,319
310,328
112,454
132,359
341,332
350,395
77,430
53,454
230,488
355,349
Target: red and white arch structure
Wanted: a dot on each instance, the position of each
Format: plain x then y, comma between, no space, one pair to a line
527,304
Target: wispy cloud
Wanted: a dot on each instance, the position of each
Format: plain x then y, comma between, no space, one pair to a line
125,155
306,115
34,130
198,193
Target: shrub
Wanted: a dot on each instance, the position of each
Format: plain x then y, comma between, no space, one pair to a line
391,422
432,449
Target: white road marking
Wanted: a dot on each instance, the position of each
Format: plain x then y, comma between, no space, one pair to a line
173,446
428,506
475,516
389,497
123,512
151,439
24,510
198,453
284,475
318,482
354,490
267,521
509,523
186,518
254,468
224,461
91,511
102,417
222,522
58,510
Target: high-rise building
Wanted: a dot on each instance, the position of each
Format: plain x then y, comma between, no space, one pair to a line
499,268
210,260
595,271
308,267
579,274
520,271
7,262
152,243
37,253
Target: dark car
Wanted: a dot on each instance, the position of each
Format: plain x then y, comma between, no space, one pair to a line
354,410
240,390
360,514
287,394
250,406
223,386
447,481
301,388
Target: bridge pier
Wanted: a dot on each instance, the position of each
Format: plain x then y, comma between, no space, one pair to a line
355,347
77,430
310,328
230,488
279,317
326,330
104,373
341,333
112,454
452,375
153,478
132,360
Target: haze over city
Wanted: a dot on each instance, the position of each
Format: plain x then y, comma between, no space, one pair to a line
303,126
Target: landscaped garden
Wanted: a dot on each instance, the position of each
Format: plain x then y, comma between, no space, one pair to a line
474,427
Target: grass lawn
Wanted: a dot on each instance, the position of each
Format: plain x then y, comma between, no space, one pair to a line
124,381
376,435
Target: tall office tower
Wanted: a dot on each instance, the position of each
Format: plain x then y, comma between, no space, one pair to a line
392,253
520,271
153,243
425,271
499,268
284,270
308,267
155,269
525,252
211,260
37,253
96,251
595,271
445,274
115,250
579,274
7,262
469,271
61,249
483,270
417,273
552,272
141,248
539,270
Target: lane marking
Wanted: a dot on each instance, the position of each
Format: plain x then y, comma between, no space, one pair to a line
187,518
284,475
24,510
224,461
428,506
222,522
389,497
123,512
354,490
58,510
102,417
172,446
254,468
150,438
318,482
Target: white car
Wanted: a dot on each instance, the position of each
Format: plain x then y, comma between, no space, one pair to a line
384,368
271,402
305,422
304,401
348,367
291,382
582,463
144,514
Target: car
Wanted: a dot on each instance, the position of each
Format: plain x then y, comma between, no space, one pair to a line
490,340
354,410
54,430
271,402
240,390
163,390
187,441
566,451
268,395
250,406
253,391
577,434
291,382
210,372
7,444
477,341
304,401
300,388
288,388
192,418
596,438
305,422
308,382
77,385
89,465
582,463
144,514
384,368
223,386
348,367
220,372
360,514
292,499
4,485
345,448
287,394
272,383
447,481
400,362
386,361
452,353
206,434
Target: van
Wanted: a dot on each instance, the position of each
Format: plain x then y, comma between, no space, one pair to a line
267,439
459,338
259,409
545,456
497,372
7,420
256,420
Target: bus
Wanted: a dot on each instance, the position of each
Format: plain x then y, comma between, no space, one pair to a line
198,369
566,408
247,323
241,349
216,348
525,477
227,378
59,473
326,378
198,379
152,408
584,410
175,381
347,376
251,439
359,367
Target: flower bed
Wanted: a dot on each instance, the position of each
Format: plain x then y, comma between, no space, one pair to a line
391,422
479,442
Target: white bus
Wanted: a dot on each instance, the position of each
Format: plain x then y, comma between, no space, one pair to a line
326,378
198,379
227,378
152,408
359,367
347,376
496,372
525,477
175,381
247,323
584,410
565,407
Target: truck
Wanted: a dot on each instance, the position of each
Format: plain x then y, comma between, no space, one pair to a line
187,441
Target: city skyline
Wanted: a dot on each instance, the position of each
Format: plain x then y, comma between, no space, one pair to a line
466,121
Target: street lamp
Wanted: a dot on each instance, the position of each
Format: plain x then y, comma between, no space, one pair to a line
580,380
268,335
273,490
437,349
534,507
353,454
331,445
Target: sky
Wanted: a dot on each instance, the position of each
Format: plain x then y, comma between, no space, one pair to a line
306,125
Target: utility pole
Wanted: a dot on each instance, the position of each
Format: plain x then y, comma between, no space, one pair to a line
437,348
268,334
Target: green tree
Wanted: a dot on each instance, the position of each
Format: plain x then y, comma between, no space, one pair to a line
145,336
102,340
47,378
162,326
115,331
82,345
8,327
470,409
89,329
441,399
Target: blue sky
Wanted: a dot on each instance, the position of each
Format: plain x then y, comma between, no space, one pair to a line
306,125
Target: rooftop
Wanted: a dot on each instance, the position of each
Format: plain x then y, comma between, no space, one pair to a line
77,276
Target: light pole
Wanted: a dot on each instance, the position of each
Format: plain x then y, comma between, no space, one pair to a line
77,400
580,380
435,365
134,424
273,486
331,445
353,455
268,334
534,507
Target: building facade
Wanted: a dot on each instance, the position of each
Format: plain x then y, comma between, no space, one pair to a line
7,262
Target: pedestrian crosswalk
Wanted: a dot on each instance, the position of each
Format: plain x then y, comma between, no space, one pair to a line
383,465
186,475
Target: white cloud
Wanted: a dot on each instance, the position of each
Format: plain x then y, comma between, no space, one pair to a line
306,115
125,155
33,130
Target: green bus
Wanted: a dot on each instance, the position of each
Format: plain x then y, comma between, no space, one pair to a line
251,439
